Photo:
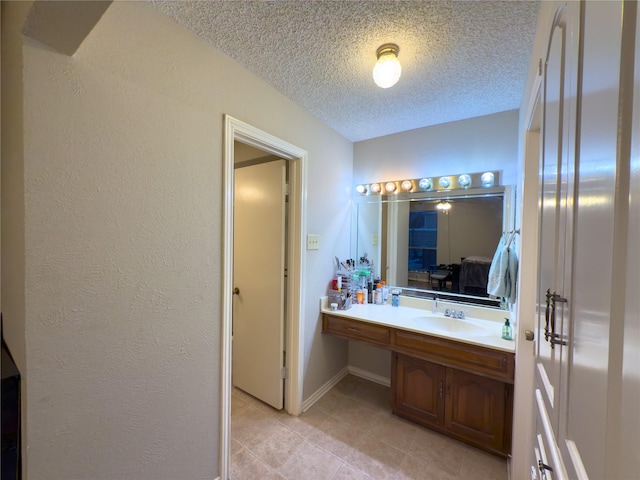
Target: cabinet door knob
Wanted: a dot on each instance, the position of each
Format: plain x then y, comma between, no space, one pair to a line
236,291
529,335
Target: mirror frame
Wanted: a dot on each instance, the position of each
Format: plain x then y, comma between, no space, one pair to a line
508,222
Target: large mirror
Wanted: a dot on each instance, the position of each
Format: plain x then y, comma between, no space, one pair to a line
432,243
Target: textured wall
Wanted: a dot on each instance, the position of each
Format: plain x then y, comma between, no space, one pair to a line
123,166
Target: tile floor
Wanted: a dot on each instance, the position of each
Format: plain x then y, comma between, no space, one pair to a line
351,434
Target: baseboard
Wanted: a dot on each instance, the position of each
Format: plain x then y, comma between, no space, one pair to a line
318,394
359,372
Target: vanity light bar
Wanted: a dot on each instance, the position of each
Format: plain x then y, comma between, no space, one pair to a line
427,184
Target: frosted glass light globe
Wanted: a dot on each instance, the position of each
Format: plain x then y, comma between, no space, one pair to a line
387,70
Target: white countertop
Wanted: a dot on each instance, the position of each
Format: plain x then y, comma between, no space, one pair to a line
477,331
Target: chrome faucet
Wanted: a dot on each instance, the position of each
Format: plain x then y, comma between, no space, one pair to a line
453,313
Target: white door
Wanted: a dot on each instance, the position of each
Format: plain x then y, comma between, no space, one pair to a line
556,213
555,204
259,266
586,385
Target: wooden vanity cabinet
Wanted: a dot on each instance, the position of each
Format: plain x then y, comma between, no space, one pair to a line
418,390
476,410
469,407
459,389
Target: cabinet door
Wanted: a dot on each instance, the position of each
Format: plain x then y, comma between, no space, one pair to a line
476,408
418,390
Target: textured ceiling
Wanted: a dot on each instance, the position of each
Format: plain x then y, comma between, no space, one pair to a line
460,59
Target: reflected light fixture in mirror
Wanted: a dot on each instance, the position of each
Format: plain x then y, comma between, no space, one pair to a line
387,69
444,206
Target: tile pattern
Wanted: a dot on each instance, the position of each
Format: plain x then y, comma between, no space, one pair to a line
349,434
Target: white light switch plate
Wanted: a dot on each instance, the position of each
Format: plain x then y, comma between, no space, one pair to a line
313,242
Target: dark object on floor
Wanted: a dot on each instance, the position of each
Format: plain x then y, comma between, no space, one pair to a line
11,469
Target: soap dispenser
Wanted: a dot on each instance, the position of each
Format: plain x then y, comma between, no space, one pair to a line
507,331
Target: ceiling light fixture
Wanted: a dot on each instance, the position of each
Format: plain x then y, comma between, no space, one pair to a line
387,69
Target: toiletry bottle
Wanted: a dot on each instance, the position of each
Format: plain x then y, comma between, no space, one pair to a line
378,294
395,297
385,293
360,295
507,331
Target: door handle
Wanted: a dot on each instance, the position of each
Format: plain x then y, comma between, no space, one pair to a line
550,334
547,314
236,291
542,468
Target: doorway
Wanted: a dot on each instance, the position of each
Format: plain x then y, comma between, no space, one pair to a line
296,158
259,275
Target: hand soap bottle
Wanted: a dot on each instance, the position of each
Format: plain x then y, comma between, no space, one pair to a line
507,331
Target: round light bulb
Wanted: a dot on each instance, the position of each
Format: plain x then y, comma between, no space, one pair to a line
387,69
464,180
375,188
407,185
390,187
444,182
361,189
487,179
425,184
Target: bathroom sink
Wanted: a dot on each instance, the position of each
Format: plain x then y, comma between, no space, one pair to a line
452,325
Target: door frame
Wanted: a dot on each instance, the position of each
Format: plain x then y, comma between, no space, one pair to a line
236,130
526,310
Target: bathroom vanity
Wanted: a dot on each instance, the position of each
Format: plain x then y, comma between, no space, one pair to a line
452,375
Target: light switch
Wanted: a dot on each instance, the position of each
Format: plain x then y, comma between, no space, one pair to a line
313,242
374,239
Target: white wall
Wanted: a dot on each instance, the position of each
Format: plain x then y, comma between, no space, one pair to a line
468,230
122,248
473,145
